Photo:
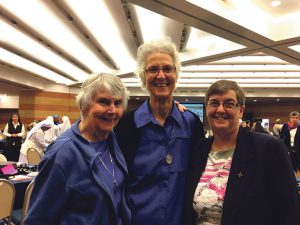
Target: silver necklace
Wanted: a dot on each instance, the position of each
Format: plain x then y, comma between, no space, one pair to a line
169,156
115,182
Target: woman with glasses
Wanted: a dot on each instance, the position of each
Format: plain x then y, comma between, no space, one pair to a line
156,139
238,177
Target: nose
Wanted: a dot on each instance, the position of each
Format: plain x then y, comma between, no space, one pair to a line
112,108
161,74
220,107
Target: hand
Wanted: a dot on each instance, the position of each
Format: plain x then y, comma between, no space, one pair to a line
180,107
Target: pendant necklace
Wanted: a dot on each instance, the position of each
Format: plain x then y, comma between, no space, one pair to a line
112,173
169,156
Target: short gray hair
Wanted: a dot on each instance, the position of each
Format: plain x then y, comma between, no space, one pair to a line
105,82
164,45
294,113
222,86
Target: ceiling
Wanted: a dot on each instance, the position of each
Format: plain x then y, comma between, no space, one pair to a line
54,45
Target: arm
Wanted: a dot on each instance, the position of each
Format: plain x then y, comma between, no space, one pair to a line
39,139
48,196
22,134
180,107
5,132
281,183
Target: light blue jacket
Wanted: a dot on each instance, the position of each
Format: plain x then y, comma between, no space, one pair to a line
70,188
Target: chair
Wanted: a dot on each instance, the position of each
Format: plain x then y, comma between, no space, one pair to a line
7,198
33,156
3,158
18,215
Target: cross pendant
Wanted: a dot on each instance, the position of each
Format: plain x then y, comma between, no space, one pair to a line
115,183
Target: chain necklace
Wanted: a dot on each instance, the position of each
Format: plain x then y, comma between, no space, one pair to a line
112,173
169,156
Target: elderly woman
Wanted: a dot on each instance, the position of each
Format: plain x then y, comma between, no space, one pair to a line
14,132
81,176
35,139
238,177
156,139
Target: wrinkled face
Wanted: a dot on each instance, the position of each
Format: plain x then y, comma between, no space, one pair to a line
15,118
294,120
104,113
223,112
160,84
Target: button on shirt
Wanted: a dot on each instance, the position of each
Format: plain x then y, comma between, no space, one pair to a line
156,190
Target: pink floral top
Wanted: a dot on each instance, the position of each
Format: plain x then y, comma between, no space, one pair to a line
210,191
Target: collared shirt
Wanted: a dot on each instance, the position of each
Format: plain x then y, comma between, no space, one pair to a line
156,192
21,134
111,173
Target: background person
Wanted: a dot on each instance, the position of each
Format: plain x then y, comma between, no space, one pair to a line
66,124
35,139
290,134
81,176
14,132
156,139
238,177
52,133
258,128
56,119
277,128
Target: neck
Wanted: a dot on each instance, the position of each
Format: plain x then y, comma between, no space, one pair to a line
224,142
90,133
161,109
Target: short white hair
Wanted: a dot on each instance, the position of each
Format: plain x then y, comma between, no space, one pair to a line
105,82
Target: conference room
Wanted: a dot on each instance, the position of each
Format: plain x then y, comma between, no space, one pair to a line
48,48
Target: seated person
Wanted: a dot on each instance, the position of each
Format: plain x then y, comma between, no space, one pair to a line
35,139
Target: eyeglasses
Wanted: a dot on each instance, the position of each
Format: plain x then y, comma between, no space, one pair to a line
154,70
226,105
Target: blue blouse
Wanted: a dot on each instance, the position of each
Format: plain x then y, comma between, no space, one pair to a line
156,192
111,173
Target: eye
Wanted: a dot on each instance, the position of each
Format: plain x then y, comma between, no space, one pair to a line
213,104
168,69
103,101
230,105
118,103
153,69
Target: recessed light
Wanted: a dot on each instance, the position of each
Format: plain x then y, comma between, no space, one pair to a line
275,3
254,100
277,99
137,98
186,100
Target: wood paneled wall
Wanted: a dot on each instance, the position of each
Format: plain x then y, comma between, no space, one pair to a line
40,104
272,110
37,105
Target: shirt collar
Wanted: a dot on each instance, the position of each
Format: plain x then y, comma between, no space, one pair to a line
143,115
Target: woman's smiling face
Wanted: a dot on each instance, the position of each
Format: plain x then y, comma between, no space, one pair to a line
160,85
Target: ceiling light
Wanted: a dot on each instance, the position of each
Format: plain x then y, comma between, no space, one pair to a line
50,25
275,3
13,37
25,64
115,39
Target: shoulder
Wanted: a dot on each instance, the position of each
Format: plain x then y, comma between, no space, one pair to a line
61,147
125,123
267,143
189,116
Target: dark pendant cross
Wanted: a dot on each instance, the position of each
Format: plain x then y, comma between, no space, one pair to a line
115,183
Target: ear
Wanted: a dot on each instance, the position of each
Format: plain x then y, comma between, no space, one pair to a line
242,109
